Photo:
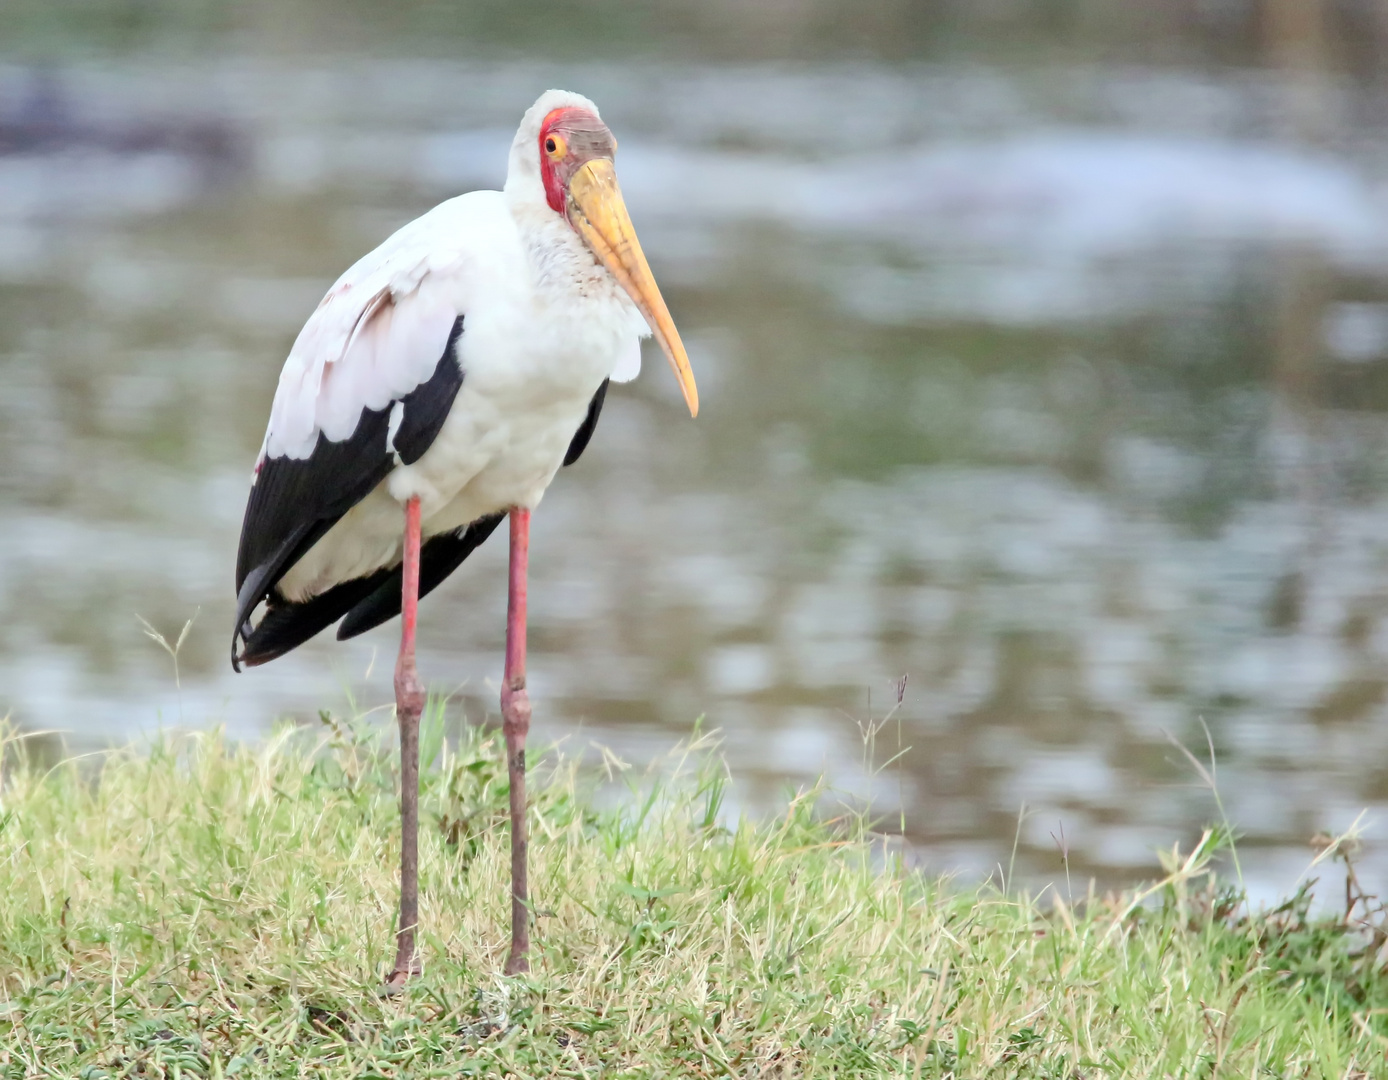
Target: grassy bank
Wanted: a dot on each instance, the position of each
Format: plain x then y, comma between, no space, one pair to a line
214,911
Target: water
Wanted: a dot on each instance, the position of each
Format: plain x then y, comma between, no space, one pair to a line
1059,388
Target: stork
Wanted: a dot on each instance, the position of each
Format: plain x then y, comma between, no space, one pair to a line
441,383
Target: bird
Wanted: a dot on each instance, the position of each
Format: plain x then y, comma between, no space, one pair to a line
436,390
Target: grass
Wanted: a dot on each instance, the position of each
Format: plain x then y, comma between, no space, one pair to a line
207,910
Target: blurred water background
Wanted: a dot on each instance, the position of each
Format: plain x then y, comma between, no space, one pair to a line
1043,349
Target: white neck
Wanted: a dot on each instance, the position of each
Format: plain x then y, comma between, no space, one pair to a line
563,269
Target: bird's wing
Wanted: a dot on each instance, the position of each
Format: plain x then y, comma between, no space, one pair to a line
579,442
366,601
367,385
376,335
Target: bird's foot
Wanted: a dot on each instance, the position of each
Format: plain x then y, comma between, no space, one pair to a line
398,978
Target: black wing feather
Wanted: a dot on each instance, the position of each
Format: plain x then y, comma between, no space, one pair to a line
286,625
438,557
427,405
365,601
295,501
291,495
585,429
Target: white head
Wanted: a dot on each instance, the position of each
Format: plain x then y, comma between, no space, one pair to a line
561,162
524,171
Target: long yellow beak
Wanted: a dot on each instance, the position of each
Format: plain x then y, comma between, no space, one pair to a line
599,213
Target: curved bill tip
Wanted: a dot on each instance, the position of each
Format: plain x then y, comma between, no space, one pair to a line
599,213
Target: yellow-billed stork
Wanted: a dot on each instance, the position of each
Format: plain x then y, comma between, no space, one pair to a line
449,373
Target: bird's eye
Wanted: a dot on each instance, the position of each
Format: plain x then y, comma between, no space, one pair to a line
556,147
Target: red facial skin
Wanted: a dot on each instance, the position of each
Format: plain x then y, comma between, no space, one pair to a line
585,136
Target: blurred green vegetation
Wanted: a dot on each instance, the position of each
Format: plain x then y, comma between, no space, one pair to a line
1087,31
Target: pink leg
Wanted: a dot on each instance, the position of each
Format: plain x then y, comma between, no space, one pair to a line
409,703
515,715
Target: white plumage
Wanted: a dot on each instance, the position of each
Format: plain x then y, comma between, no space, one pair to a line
544,325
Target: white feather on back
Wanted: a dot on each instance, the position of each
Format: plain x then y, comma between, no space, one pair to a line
545,325
380,330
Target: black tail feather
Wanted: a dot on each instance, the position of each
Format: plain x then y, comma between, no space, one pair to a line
259,583
438,558
286,624
365,601
295,501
